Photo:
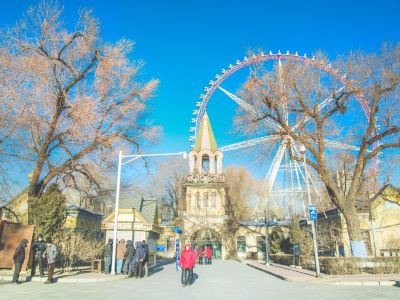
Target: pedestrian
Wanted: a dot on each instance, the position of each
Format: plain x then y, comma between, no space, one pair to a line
38,248
18,258
52,255
187,262
107,256
121,249
130,252
200,255
140,255
208,254
146,259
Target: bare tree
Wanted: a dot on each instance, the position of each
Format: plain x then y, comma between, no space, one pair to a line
292,92
84,98
240,187
168,184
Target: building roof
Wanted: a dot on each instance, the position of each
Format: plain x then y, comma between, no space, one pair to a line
167,223
269,223
384,188
205,138
146,207
80,210
17,197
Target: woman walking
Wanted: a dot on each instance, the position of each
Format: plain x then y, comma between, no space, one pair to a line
187,262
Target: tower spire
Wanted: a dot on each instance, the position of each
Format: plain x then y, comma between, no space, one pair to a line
205,138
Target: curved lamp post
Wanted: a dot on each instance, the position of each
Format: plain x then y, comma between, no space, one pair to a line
131,158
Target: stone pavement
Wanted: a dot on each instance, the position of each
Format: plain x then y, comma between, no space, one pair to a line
306,276
82,275
222,280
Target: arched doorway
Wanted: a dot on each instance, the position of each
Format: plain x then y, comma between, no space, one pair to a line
207,236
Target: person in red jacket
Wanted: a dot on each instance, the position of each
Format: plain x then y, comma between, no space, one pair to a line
200,254
208,254
187,262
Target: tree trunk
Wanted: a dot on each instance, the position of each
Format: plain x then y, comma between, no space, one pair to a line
353,225
357,244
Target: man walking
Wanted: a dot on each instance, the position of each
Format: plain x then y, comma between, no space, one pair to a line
18,258
187,262
38,249
107,256
146,259
52,255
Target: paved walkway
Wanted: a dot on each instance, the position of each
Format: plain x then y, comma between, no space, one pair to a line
223,280
306,276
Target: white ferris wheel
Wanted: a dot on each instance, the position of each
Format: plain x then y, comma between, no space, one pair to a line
292,194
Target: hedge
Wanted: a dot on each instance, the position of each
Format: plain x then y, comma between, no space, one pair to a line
344,265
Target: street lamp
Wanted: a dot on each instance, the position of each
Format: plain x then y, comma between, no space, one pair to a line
266,239
132,158
316,259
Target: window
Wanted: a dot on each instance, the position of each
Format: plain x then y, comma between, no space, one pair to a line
205,199
366,239
261,244
213,199
197,195
205,165
241,244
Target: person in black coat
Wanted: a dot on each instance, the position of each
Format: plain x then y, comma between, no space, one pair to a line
38,249
107,256
146,259
130,252
140,255
18,258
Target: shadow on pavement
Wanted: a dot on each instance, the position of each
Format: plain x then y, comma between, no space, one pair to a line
195,277
155,270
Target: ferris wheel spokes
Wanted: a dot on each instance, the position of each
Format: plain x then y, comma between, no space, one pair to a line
271,138
273,170
320,106
249,143
250,109
309,173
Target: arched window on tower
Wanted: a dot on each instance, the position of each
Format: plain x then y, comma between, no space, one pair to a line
205,199
197,196
213,199
205,163
195,165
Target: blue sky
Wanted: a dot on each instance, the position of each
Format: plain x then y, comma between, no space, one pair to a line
185,43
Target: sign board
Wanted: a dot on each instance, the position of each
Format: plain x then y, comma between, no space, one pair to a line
177,230
177,254
10,238
161,248
312,213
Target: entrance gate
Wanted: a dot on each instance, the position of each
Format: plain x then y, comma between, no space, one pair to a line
207,237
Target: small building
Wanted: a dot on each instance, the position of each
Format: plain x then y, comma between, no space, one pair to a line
166,241
379,219
17,209
251,236
78,219
83,221
137,221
